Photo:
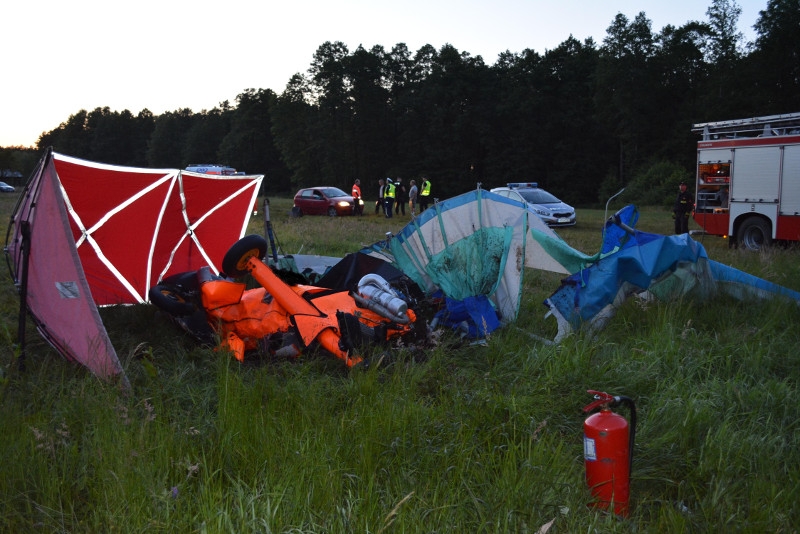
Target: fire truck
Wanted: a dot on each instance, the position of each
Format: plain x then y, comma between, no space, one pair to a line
748,179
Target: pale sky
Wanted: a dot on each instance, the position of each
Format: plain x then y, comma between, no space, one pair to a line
63,56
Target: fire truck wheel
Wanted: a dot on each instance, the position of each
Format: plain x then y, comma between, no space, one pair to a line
235,260
754,234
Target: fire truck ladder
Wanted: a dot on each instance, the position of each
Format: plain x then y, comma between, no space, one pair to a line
785,124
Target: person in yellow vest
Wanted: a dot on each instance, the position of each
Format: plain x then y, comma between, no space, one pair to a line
388,196
424,194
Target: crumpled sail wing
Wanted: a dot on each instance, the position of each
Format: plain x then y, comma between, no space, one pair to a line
474,244
666,267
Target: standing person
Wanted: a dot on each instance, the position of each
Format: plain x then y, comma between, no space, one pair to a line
402,197
424,194
388,197
682,210
379,203
412,198
358,203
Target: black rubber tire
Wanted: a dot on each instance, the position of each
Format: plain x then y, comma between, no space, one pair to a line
332,212
186,280
754,234
296,212
172,299
233,264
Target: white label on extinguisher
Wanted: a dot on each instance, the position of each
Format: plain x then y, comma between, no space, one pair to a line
589,450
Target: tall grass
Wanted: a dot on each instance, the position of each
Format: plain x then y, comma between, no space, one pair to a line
459,439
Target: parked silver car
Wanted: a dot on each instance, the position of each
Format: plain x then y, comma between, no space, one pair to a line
550,209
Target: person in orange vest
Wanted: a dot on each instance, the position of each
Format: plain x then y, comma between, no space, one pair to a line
358,203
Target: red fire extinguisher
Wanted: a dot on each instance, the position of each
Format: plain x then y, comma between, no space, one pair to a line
608,451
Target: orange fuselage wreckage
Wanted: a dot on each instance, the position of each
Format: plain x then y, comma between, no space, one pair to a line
284,319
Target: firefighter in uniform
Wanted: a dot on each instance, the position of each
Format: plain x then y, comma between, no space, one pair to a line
682,210
358,203
424,194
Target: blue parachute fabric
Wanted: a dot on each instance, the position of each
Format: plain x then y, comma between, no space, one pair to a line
668,267
473,316
741,285
615,236
643,260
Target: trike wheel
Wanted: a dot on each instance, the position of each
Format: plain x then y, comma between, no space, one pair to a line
171,299
235,261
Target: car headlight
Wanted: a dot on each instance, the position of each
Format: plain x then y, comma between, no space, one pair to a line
343,204
542,213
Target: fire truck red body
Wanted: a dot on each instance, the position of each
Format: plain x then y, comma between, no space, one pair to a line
748,179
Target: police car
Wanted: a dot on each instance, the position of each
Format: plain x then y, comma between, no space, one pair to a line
550,209
212,168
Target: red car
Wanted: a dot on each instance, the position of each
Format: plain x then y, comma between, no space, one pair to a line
330,201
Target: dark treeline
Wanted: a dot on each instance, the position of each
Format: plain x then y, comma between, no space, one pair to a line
582,119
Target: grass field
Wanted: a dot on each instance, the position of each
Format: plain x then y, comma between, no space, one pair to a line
472,439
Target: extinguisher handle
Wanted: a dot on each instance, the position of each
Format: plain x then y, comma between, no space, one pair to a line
601,399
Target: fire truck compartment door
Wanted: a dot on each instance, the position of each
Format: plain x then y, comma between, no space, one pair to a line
756,175
790,186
